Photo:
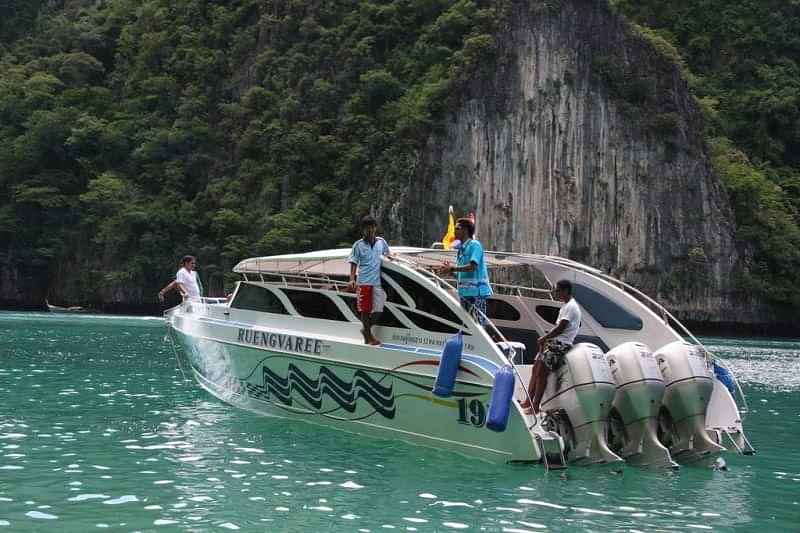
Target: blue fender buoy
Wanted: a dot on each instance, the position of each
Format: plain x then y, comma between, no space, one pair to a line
724,376
500,403
448,366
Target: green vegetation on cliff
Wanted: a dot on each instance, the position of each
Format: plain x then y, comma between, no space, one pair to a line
133,131
741,59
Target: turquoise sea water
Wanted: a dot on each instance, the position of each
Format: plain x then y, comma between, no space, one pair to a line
100,430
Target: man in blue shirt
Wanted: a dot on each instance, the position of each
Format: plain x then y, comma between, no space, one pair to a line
470,271
365,259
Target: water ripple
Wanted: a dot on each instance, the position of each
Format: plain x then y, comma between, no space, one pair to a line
40,516
122,499
84,497
181,460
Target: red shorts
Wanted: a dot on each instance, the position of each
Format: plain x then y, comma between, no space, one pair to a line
364,298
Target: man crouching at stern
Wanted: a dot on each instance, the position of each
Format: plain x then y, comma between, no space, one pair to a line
365,258
553,347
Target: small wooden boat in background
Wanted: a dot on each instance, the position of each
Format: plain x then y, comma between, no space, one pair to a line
71,309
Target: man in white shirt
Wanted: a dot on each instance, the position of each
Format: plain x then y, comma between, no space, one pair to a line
185,280
553,346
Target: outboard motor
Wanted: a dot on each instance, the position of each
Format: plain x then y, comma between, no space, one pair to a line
688,385
578,400
634,418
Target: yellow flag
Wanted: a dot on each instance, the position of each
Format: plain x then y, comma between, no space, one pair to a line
450,236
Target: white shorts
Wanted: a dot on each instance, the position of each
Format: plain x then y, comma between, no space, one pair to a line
378,299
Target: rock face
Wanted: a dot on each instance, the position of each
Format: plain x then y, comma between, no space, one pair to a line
555,159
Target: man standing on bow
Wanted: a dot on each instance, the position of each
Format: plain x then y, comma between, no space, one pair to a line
365,259
553,346
470,271
186,280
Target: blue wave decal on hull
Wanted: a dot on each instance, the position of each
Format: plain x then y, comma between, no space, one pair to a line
327,383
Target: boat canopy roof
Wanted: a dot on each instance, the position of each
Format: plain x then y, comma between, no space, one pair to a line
334,262
322,262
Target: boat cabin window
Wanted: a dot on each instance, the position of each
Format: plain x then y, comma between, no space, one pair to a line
429,324
312,304
500,310
385,318
548,312
424,299
389,319
608,313
257,298
391,293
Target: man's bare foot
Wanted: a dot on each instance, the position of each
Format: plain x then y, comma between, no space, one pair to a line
375,342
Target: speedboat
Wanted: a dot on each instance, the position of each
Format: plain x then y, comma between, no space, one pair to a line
288,343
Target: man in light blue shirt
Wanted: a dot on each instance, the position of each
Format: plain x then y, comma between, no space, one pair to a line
470,271
365,259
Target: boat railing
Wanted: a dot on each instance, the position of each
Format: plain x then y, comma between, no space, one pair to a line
516,290
546,294
207,300
201,304
426,271
300,280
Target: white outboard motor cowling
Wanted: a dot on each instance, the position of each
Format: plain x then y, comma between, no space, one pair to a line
688,385
582,390
634,418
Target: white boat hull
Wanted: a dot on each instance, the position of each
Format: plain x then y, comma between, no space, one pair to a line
288,343
343,393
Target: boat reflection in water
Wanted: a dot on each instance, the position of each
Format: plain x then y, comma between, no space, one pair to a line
288,344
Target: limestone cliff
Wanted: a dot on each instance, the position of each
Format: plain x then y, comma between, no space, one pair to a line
556,160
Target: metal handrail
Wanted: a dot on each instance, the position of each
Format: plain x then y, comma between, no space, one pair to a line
213,300
205,300
303,280
519,288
